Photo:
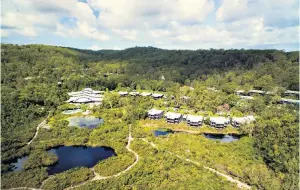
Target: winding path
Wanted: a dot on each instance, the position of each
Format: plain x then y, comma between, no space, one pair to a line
37,129
240,184
98,177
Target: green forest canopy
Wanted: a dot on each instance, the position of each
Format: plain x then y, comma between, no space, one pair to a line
36,78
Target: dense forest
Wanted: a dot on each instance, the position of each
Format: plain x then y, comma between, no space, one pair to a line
35,80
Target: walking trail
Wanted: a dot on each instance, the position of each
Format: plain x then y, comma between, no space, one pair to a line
37,129
240,184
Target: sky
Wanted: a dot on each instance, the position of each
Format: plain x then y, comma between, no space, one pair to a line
167,24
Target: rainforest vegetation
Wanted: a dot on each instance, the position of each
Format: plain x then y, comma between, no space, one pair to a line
35,80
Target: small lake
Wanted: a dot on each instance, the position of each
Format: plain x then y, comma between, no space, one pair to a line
222,137
78,156
162,132
71,157
19,163
88,122
68,112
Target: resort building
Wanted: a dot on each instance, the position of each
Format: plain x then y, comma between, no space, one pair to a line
134,93
173,117
289,101
290,92
123,93
157,96
146,94
240,92
252,92
246,97
194,120
238,121
87,95
219,122
155,114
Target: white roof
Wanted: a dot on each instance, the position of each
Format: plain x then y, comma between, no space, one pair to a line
194,118
219,120
155,95
86,91
84,99
291,92
257,91
146,93
172,115
246,97
134,93
123,92
155,112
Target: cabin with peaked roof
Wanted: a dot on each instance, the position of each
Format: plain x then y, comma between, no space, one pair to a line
155,114
157,96
238,121
173,117
219,122
194,120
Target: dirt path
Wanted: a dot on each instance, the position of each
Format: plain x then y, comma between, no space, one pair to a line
98,177
240,184
37,129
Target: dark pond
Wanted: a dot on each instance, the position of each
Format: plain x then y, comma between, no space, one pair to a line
162,132
78,156
70,157
89,122
222,137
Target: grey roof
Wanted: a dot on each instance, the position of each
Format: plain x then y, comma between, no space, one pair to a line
219,120
172,115
194,118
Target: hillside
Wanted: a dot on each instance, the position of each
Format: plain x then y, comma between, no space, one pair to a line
35,80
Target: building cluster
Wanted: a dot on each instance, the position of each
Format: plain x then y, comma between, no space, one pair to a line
197,120
249,95
134,93
87,95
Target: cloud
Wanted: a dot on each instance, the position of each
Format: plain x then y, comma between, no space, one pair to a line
273,12
82,30
189,24
133,13
126,34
